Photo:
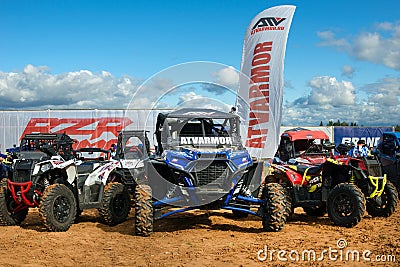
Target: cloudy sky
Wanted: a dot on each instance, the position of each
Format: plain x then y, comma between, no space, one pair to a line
342,59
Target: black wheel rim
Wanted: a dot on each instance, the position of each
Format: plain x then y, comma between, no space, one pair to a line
343,205
62,209
11,205
119,205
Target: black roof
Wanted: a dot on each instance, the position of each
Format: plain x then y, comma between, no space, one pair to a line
92,149
57,137
133,131
200,113
41,136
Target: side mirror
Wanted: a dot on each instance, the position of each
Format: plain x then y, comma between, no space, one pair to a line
329,145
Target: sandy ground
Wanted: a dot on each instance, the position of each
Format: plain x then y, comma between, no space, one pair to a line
201,238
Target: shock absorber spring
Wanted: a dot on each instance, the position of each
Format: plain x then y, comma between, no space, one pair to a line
46,183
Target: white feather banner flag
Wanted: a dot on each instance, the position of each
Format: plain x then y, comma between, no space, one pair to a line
260,93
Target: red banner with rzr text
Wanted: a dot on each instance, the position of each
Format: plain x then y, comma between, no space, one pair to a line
88,132
90,128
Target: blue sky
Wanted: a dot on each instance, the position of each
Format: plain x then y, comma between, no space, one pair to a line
342,57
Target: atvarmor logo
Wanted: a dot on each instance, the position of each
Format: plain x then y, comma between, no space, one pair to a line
206,140
268,24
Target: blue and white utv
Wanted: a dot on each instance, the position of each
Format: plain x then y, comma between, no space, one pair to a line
202,164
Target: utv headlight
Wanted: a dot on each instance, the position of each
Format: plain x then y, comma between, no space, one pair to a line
45,167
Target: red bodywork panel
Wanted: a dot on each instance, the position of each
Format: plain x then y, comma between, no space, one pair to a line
305,134
294,177
354,162
314,160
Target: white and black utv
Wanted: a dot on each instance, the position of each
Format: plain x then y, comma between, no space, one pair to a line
46,175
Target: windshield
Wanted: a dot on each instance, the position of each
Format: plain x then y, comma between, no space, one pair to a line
201,132
61,145
134,148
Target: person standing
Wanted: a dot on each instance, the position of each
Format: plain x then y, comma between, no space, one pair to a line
113,150
359,151
3,167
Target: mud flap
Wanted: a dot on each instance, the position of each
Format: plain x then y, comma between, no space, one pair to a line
325,193
92,196
255,178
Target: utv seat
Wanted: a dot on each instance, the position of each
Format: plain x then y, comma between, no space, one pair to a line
309,170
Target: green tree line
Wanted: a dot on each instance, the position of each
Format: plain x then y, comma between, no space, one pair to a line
344,123
339,123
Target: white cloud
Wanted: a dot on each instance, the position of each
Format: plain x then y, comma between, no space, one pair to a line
385,93
193,100
288,84
328,91
228,77
151,93
329,39
385,26
381,46
348,71
191,96
37,87
225,79
330,99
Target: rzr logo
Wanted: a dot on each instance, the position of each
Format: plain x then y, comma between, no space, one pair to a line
90,132
268,24
199,113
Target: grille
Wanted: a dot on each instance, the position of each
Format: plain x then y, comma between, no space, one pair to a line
212,156
128,175
207,172
22,171
374,168
23,165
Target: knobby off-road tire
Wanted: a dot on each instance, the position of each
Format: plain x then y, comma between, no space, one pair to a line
275,211
289,202
288,190
315,211
7,204
116,204
346,205
58,208
144,216
386,204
